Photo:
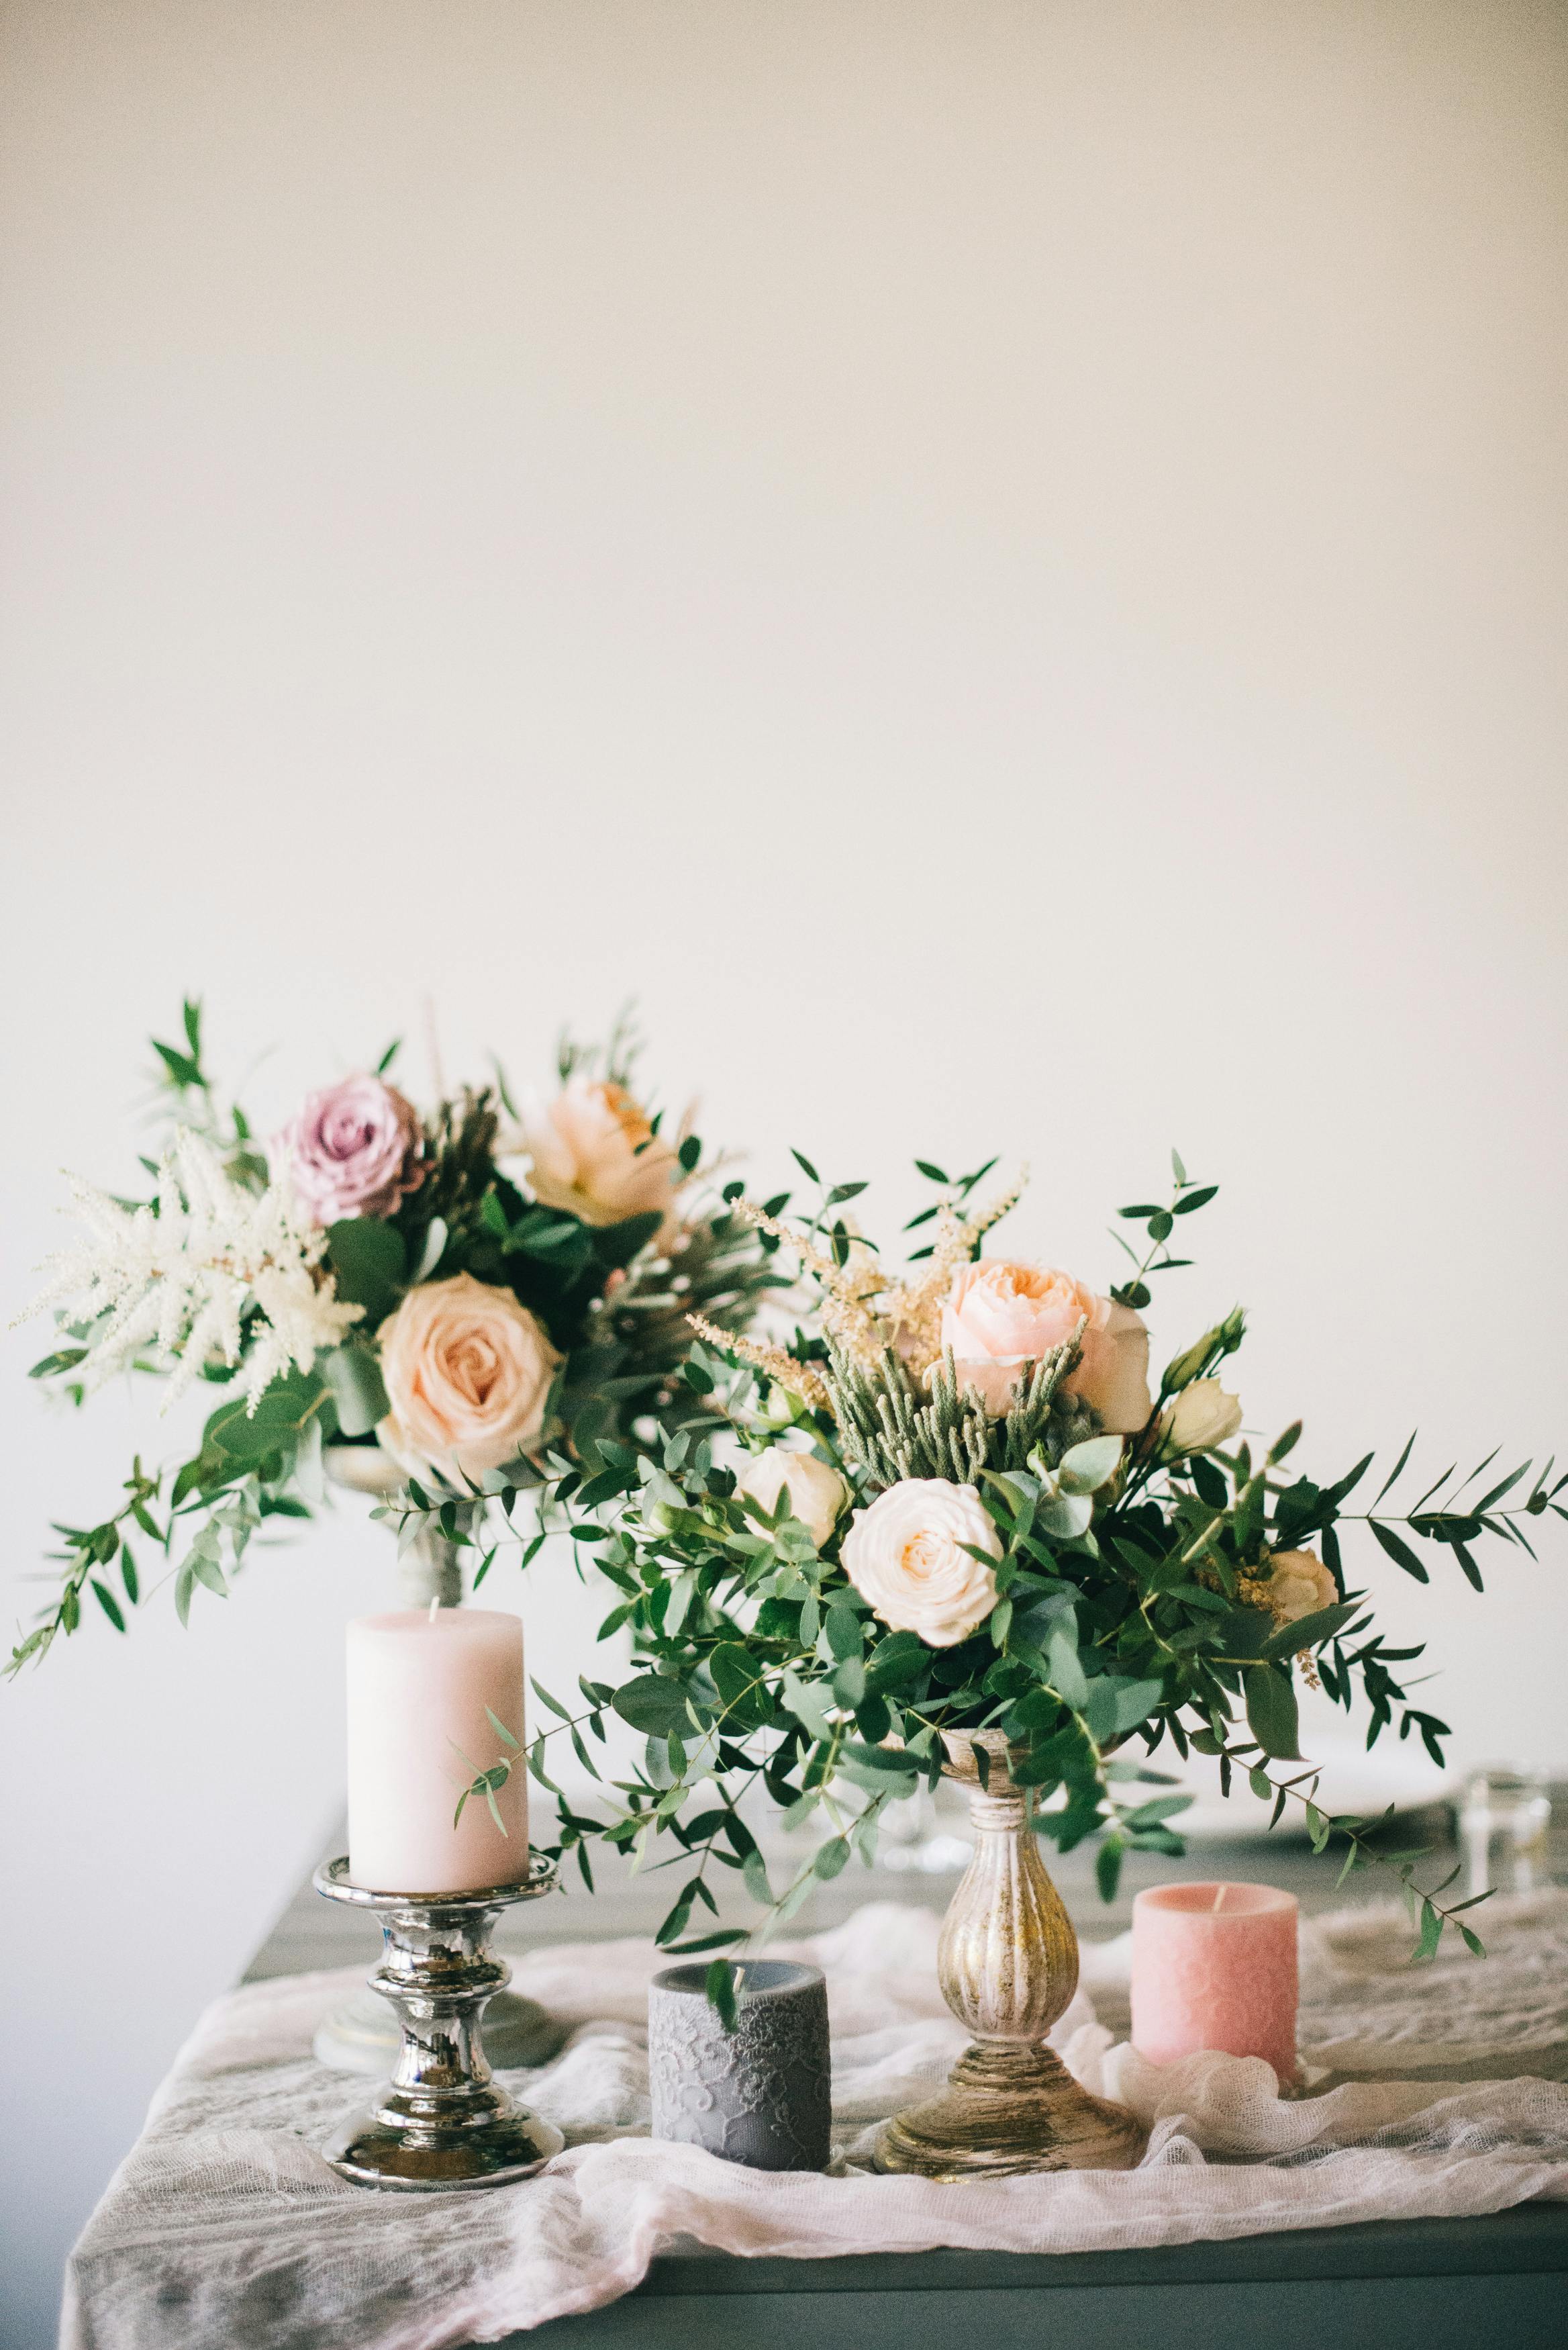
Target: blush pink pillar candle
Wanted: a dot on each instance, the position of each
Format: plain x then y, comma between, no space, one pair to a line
1214,1966
418,1684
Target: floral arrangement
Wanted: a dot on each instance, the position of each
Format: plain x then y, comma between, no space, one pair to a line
957,1500
468,1290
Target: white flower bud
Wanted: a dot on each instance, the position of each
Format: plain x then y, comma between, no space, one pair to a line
816,1493
1202,1416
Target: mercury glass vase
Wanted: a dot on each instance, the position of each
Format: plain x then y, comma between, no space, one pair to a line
1008,1966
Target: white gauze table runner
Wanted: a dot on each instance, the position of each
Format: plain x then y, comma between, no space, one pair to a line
224,2224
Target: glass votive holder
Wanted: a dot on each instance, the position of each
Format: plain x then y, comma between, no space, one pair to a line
761,2094
1504,1814
917,1836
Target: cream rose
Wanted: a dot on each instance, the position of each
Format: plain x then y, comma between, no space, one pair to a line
905,1555
467,1372
592,1151
1201,1416
1001,1317
1298,1586
817,1491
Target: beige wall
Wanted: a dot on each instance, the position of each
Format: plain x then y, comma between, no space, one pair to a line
1002,565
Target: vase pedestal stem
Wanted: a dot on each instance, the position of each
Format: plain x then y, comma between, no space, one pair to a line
1008,1966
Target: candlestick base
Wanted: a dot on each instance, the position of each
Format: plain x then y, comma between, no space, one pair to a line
441,2122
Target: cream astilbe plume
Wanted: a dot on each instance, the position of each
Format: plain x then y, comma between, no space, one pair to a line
846,1311
873,1327
981,1222
774,1362
913,1309
177,1277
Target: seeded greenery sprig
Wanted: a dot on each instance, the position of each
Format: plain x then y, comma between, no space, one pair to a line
1132,1611
886,1432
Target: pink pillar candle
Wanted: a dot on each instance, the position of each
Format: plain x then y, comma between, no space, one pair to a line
1214,1966
420,1682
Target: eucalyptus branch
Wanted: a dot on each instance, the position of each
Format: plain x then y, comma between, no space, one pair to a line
90,1552
1161,1220
1427,1911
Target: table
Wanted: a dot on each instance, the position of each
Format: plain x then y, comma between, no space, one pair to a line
1399,2285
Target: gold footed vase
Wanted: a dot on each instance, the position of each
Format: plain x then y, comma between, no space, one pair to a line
1008,1966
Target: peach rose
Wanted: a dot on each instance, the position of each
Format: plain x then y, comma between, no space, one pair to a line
592,1151
1298,1585
467,1372
906,1556
1002,1317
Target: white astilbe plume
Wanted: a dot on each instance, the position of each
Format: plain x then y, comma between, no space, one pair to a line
176,1279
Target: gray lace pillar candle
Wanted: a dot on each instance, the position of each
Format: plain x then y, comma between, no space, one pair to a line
760,2095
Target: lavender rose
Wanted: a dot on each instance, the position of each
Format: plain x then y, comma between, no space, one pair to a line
353,1150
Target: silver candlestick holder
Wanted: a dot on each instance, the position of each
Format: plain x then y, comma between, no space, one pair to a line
361,2036
442,2121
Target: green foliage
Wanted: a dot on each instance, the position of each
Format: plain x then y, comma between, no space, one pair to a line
1132,1609
354,1377
611,1302
1161,1223
370,1262
1271,1713
240,1436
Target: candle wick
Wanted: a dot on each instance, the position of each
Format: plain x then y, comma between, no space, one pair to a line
435,1603
1220,1891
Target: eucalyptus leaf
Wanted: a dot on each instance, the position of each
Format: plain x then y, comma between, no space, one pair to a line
808,1701
1088,1466
1099,1708
737,1676
354,1377
1135,1702
849,1682
1308,1630
1065,1515
654,1704
369,1261
1067,1676
1271,1713
239,1435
